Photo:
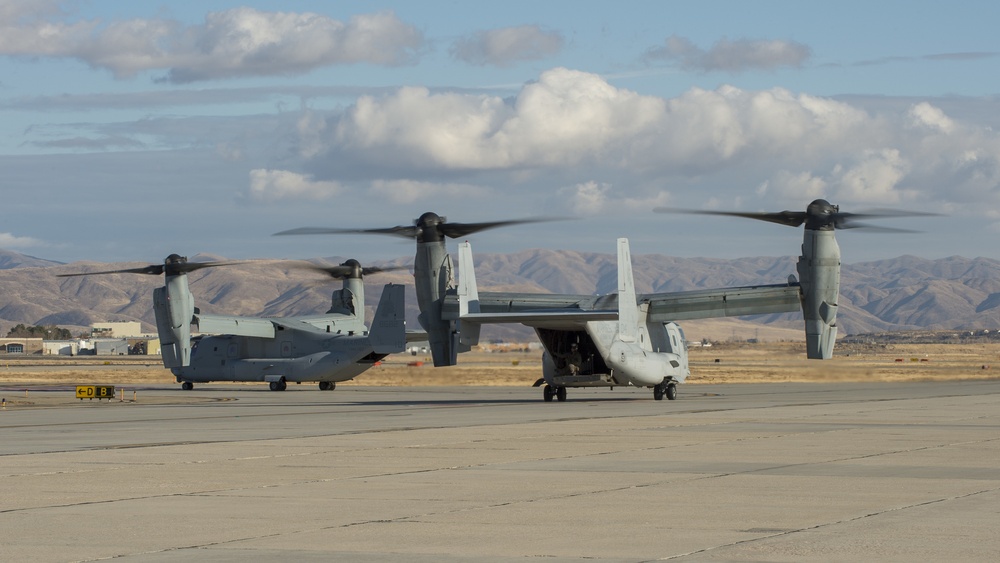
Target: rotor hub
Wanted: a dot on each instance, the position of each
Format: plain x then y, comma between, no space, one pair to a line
821,215
354,269
427,227
173,265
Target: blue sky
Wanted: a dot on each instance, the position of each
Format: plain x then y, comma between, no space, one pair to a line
131,130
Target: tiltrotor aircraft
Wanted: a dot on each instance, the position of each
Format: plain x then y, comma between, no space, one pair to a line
620,338
336,346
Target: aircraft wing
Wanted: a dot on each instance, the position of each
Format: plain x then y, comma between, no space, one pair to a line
726,302
241,326
567,319
251,326
471,308
555,310
540,310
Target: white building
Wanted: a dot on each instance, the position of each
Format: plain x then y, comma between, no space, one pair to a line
130,329
61,347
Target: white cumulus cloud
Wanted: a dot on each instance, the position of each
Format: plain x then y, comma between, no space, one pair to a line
926,115
508,45
874,179
573,128
570,117
8,240
594,198
273,185
564,118
731,56
232,43
410,191
794,186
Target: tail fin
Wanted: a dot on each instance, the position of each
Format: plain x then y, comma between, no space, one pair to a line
468,298
628,313
387,334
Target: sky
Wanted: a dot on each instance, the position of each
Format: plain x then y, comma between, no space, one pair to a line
132,130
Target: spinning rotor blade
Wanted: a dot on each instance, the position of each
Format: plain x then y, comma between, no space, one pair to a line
820,215
173,265
406,232
789,218
849,224
457,230
153,270
850,220
351,268
429,227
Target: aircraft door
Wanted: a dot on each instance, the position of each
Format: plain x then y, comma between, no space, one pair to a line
675,338
644,338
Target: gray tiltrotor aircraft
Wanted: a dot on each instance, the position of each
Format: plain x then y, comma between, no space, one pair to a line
336,346
620,338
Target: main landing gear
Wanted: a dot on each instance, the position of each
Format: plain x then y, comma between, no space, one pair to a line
278,385
666,389
327,385
187,386
548,392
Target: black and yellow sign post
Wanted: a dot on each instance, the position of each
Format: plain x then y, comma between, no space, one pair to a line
95,392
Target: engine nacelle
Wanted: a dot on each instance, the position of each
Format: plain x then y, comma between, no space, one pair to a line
173,307
432,274
819,276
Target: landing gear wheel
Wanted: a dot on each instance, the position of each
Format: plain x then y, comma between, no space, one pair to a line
187,386
548,393
561,394
671,391
278,385
327,385
658,392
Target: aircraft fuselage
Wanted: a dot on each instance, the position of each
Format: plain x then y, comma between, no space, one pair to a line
658,354
298,358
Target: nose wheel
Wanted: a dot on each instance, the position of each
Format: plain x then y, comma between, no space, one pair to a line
549,392
665,389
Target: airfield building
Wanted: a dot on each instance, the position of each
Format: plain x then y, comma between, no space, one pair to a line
129,329
18,345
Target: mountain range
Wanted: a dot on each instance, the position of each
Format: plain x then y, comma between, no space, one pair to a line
903,293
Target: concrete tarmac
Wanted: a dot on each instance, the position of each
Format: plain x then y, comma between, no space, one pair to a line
770,472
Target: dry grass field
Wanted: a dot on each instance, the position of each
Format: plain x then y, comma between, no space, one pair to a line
724,363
